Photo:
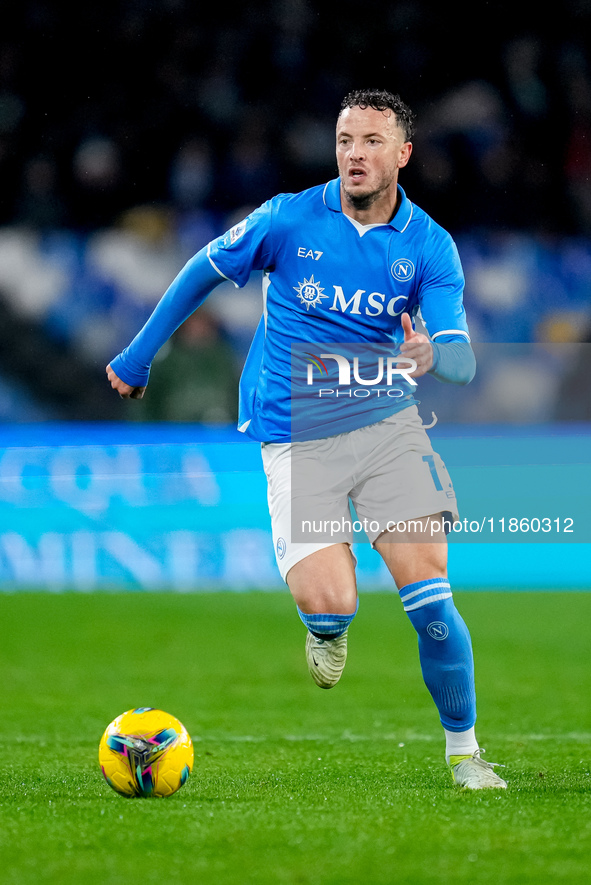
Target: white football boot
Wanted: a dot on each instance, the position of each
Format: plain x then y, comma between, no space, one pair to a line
473,773
326,659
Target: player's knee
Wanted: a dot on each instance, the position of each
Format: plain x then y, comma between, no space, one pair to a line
321,596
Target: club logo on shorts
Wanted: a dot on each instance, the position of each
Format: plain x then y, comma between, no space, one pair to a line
403,270
438,630
281,548
310,292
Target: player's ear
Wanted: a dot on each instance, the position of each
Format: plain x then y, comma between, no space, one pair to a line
405,152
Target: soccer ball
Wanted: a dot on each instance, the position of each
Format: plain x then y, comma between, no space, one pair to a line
146,752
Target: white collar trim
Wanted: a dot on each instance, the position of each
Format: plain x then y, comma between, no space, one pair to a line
362,229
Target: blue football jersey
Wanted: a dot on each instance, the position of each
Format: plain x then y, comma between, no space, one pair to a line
328,281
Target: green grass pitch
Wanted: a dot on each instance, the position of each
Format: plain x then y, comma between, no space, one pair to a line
291,784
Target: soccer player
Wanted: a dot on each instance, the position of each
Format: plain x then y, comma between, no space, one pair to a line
352,262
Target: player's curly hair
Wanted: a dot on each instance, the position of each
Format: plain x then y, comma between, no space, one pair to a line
380,100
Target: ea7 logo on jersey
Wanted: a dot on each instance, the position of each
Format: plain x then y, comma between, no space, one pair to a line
310,292
309,253
403,270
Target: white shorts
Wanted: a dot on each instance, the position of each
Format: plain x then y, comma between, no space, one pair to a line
388,471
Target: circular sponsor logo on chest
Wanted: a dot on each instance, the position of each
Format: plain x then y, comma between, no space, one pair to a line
403,270
281,548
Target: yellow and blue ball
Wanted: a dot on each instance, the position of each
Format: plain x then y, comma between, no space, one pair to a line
146,752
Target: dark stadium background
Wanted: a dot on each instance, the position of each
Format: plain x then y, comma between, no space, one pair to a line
133,132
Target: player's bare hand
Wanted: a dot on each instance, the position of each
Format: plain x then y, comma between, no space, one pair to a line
417,347
124,390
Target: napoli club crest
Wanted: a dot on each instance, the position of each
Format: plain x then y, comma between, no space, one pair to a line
403,270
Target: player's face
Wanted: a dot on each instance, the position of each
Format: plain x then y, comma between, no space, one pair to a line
370,150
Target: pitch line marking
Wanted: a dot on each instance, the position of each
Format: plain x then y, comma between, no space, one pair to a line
407,737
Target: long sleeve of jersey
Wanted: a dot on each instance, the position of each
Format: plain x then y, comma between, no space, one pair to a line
188,290
453,360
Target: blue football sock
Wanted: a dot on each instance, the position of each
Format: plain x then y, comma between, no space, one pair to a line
327,626
445,651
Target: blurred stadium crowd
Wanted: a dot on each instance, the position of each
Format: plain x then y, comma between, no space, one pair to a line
134,131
